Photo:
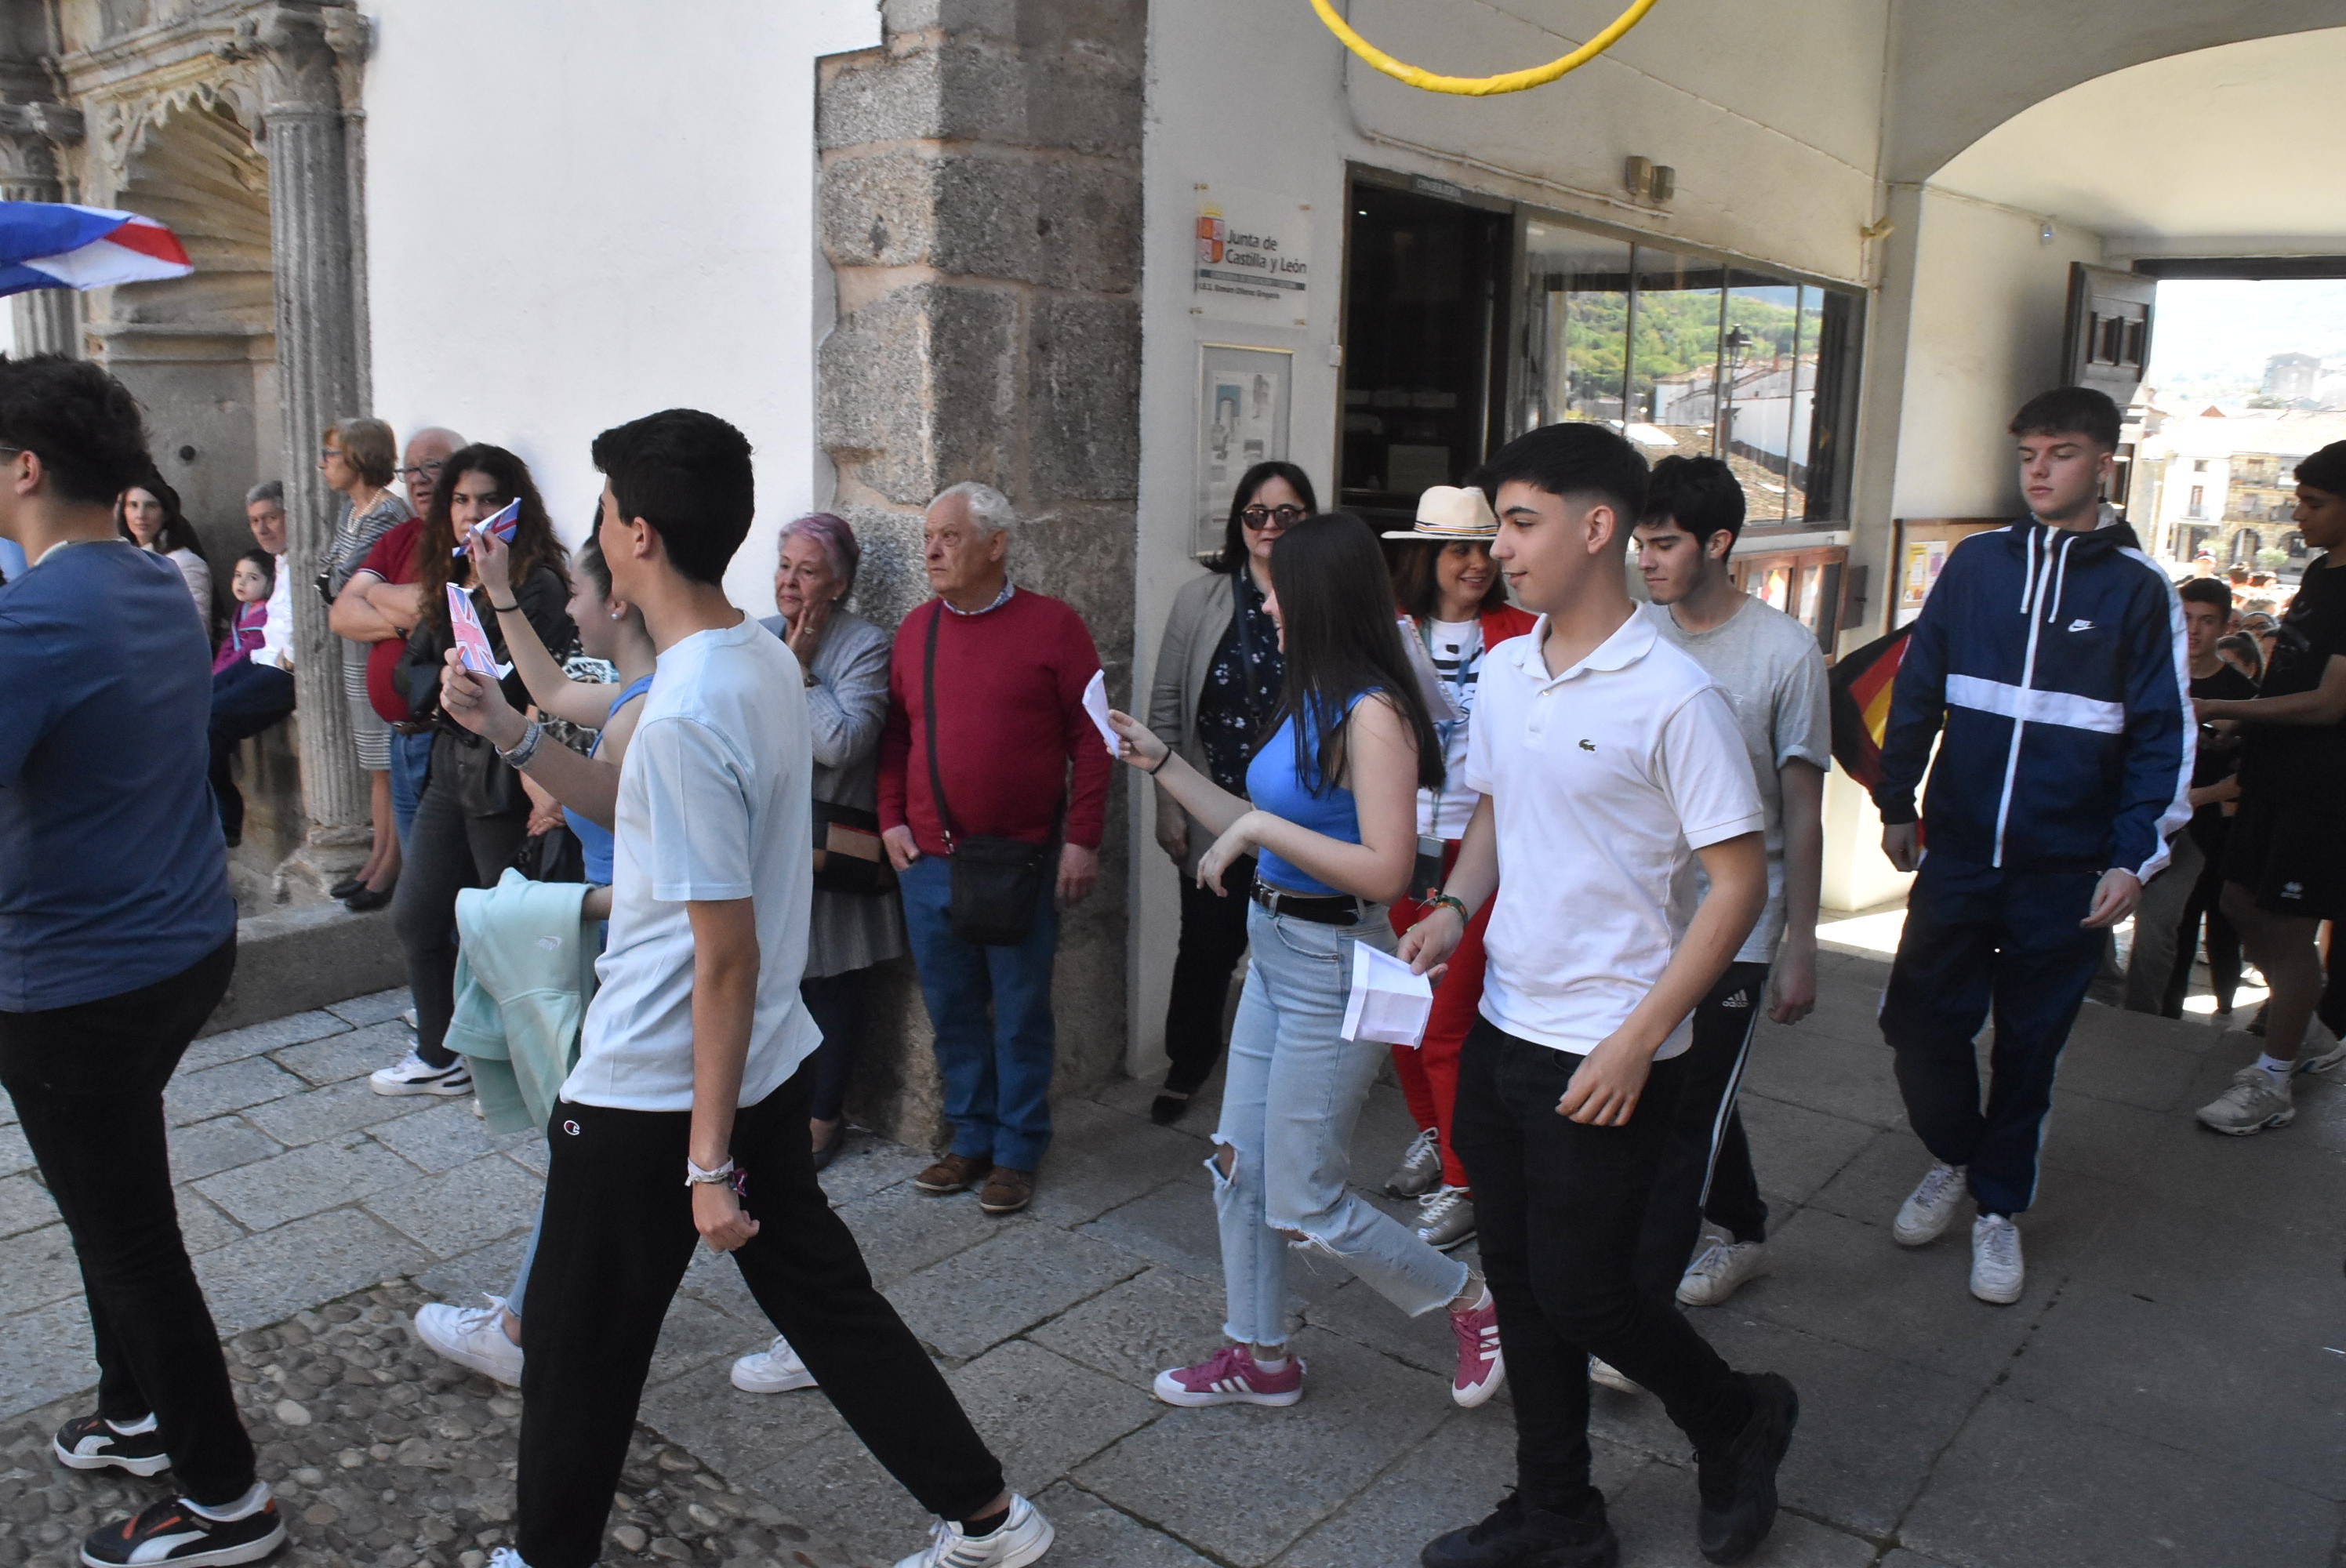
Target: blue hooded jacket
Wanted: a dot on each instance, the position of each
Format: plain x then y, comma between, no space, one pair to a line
2055,660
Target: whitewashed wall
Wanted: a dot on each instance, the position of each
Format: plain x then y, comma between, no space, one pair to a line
582,211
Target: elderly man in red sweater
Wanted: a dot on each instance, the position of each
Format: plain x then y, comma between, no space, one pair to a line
985,710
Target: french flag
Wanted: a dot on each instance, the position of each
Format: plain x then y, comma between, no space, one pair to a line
51,245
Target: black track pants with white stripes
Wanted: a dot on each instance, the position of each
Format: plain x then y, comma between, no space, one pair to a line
1705,1170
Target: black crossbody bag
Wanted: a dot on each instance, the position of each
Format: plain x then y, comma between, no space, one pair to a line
997,884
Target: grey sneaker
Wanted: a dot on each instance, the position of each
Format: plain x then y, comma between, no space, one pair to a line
1998,1275
2322,1052
2256,1100
1420,1169
1605,1374
1924,1216
1445,1217
1722,1269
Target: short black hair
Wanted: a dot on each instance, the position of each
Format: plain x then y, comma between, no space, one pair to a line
2207,591
1578,459
1701,495
85,424
688,474
2071,411
2326,469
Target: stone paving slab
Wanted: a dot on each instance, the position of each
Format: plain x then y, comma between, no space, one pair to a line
2176,1336
375,1007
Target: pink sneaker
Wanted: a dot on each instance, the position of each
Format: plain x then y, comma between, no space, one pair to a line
1481,1367
1231,1377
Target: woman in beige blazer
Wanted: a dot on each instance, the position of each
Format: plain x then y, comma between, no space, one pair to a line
1217,678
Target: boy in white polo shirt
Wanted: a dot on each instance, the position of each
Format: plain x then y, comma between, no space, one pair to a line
1610,765
684,1119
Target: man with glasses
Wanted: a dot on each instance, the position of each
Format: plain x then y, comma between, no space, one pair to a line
381,605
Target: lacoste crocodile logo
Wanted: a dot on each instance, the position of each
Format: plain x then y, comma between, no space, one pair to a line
1588,746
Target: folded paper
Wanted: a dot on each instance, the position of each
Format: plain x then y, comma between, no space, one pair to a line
1388,1002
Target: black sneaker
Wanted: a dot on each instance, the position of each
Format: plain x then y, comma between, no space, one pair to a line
1737,1479
1514,1536
89,1442
171,1533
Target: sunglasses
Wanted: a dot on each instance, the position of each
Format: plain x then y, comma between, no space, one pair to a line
1258,517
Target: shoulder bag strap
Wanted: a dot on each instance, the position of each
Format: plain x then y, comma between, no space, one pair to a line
929,720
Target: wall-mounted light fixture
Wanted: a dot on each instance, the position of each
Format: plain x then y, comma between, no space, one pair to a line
1654,182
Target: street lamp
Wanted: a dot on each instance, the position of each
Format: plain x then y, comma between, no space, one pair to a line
1736,344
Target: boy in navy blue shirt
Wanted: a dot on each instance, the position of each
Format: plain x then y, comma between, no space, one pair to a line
2052,653
118,937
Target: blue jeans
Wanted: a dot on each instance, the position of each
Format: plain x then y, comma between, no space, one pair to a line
1295,1091
996,1066
410,759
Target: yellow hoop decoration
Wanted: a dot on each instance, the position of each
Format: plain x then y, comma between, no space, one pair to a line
1481,87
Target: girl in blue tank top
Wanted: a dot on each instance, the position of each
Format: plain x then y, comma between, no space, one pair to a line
1333,826
608,629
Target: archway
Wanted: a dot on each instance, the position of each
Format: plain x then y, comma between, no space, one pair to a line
201,351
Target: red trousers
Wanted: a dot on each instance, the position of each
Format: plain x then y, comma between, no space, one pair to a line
1429,1075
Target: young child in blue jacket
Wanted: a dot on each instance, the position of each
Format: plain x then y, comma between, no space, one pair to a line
2052,654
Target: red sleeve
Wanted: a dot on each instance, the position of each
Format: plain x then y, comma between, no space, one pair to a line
895,740
1088,796
392,559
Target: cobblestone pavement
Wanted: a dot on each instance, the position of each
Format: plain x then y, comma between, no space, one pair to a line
2168,1391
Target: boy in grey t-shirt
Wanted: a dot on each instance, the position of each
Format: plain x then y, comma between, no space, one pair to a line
1773,673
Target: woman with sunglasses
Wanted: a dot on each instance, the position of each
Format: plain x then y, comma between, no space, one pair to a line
1328,825
1217,678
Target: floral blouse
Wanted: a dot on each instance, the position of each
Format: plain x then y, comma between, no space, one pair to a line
1242,689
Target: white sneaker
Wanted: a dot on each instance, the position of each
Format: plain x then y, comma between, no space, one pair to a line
411,1075
408,1018
2321,1052
1924,1216
472,1337
1997,1272
1024,1537
506,1557
2256,1100
1724,1267
1605,1374
774,1370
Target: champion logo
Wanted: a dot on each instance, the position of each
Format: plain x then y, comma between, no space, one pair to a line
2081,625
570,1127
1588,746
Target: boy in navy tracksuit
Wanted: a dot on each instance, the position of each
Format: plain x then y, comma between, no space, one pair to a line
2052,652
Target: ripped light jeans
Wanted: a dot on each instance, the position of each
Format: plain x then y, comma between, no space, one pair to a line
1295,1091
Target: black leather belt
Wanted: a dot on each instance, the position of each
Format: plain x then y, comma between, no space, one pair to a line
1327,909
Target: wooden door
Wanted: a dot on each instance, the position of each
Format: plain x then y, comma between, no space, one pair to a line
2106,343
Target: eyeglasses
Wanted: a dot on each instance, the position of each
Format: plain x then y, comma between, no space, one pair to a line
1288,516
422,471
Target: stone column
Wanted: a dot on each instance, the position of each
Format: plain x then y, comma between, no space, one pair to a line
980,198
304,133
47,320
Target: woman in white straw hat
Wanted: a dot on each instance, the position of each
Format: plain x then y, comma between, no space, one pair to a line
1453,606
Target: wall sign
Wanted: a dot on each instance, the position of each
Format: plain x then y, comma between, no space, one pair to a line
1253,261
1244,396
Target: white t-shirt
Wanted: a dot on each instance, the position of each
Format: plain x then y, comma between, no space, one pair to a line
1604,780
1456,649
713,806
1773,674
276,625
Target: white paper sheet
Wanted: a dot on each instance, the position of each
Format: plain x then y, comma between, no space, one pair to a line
1096,704
1388,1002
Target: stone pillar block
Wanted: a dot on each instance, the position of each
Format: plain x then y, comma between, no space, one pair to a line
920,390
1083,382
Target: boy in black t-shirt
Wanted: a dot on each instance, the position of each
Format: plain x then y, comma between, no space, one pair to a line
2206,613
2285,865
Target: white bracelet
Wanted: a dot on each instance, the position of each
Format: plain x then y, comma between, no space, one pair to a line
696,1177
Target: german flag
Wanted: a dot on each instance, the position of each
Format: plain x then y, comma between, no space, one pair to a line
1861,683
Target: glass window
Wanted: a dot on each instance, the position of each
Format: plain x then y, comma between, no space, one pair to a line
1767,393
1674,370
1575,326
